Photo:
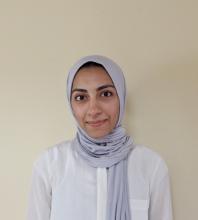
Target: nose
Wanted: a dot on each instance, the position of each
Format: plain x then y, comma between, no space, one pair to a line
94,108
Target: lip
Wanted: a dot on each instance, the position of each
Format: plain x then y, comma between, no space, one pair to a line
97,123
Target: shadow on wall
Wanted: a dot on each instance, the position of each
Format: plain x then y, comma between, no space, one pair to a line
165,100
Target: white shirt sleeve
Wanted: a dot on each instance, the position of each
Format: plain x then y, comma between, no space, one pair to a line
39,204
160,198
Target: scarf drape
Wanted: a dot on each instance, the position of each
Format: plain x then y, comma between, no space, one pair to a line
110,151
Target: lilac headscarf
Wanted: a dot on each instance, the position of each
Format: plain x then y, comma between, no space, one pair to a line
112,150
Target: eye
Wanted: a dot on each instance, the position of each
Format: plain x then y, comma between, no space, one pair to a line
79,97
106,94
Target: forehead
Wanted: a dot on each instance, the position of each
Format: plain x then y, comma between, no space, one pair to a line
91,76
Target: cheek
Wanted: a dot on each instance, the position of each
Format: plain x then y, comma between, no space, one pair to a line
80,112
115,113
77,111
113,110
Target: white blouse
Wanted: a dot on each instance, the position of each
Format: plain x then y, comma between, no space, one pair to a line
65,187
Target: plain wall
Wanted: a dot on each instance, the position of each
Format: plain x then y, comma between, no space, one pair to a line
155,43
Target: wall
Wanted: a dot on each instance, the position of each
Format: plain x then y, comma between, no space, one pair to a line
155,42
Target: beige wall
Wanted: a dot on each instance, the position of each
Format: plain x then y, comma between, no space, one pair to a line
155,42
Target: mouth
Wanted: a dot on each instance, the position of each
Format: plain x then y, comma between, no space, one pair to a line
97,123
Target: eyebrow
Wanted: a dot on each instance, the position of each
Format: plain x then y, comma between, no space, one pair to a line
98,89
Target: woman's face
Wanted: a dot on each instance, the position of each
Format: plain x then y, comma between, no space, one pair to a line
94,101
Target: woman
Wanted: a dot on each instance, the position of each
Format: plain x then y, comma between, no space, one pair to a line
101,174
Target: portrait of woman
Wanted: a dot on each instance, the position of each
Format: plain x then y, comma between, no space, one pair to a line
101,174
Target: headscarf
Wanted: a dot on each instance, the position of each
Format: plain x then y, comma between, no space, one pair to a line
112,150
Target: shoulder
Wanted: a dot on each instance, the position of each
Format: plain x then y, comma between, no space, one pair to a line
53,156
147,162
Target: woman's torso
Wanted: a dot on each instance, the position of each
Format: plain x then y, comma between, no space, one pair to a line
78,191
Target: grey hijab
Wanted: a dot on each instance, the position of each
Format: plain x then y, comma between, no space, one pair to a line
112,150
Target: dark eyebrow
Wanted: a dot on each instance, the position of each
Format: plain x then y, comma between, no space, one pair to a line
98,89
79,90
104,87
